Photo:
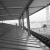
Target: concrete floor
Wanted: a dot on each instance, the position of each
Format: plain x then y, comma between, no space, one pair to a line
16,39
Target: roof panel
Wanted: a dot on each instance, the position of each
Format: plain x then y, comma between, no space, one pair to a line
4,18
12,7
39,3
8,17
16,7
2,12
15,3
1,6
15,11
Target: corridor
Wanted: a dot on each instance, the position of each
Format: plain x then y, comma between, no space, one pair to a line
16,39
18,36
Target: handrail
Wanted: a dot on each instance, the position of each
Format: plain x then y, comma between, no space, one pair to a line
43,39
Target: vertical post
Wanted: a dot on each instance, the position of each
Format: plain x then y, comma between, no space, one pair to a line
28,22
23,21
19,22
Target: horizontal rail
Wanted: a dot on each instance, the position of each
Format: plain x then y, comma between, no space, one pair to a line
43,39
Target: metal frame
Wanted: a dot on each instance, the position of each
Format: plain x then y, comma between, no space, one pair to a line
41,8
27,13
28,22
27,6
23,21
19,22
1,2
36,6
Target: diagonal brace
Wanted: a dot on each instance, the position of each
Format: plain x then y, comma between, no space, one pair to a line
1,2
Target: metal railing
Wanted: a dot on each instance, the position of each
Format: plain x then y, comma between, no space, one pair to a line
42,38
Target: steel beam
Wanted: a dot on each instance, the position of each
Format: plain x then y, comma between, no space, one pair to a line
19,22
37,6
27,6
28,22
40,9
14,7
1,2
21,7
23,21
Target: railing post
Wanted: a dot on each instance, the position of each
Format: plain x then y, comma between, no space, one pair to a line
28,22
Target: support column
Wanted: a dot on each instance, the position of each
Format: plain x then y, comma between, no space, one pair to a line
19,22
28,22
23,21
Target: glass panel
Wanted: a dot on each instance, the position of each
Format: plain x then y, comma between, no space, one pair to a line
39,22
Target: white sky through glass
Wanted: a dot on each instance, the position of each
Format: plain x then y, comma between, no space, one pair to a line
39,16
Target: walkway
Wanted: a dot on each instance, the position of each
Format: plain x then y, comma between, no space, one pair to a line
15,39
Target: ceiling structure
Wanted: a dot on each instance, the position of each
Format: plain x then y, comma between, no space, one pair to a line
13,9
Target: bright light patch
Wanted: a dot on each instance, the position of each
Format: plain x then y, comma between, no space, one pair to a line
13,22
39,16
